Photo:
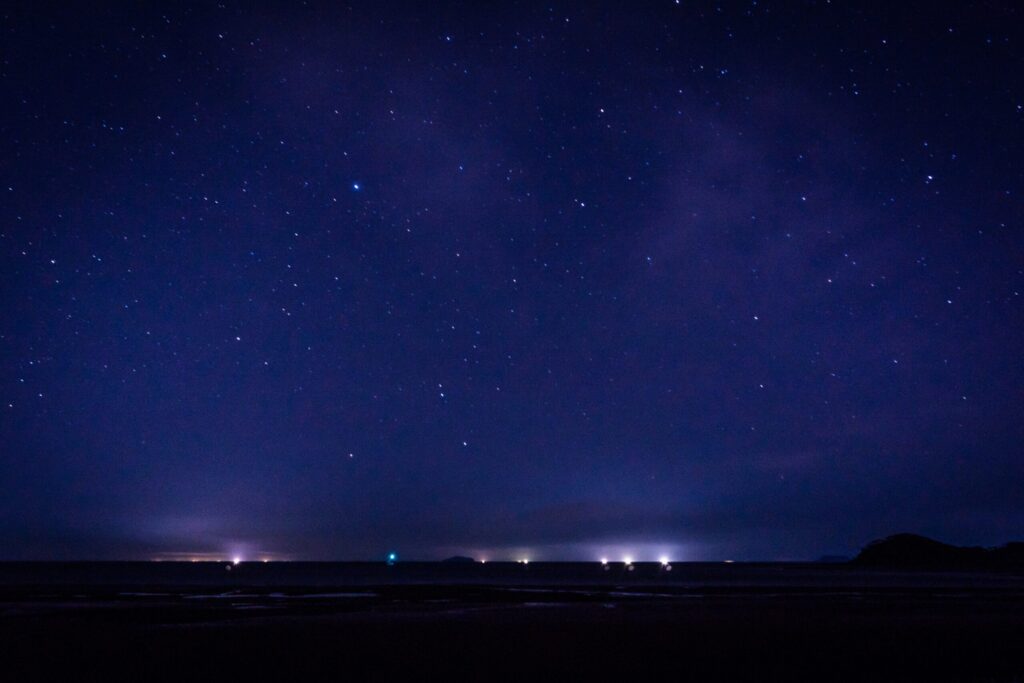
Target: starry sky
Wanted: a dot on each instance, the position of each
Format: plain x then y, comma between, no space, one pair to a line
562,279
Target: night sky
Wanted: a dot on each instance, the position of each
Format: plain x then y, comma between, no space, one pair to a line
558,280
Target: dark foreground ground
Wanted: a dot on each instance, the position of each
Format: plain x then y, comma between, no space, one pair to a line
766,622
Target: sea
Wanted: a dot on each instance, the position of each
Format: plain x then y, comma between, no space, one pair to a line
641,575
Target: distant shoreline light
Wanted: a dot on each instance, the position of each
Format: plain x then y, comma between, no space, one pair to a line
242,556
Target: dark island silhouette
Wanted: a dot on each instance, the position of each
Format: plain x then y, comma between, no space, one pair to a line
911,551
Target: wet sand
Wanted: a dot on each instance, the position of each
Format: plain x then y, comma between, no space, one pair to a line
802,624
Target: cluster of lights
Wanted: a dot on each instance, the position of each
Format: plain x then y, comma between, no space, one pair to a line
628,561
236,560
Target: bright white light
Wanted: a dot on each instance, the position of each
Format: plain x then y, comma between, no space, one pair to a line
664,560
526,561
604,560
628,560
236,560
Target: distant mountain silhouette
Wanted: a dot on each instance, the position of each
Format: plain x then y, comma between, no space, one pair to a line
459,559
910,551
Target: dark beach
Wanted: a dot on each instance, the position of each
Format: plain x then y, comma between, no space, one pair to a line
420,620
